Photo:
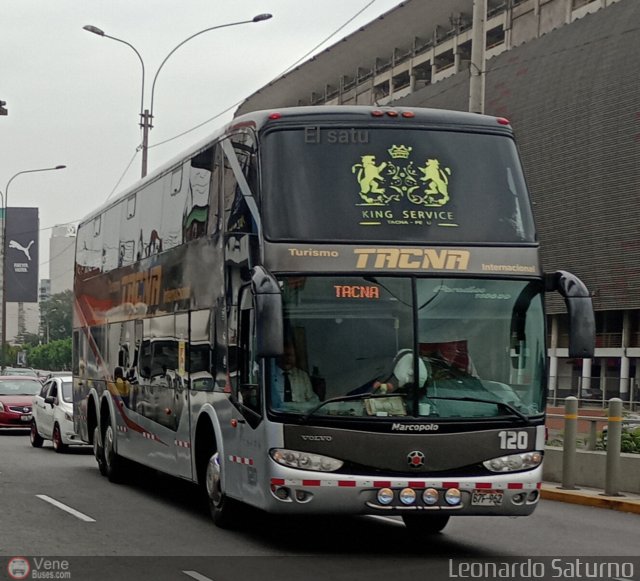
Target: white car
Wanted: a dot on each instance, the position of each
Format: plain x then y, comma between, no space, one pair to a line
53,415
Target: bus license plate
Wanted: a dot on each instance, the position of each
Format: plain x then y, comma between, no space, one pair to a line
486,498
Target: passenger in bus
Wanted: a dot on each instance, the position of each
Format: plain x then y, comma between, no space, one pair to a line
290,384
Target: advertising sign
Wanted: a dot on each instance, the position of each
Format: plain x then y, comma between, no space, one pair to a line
21,253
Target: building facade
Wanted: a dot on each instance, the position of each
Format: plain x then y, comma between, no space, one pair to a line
62,246
566,73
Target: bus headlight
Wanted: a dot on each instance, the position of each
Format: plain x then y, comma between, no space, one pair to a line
514,462
305,460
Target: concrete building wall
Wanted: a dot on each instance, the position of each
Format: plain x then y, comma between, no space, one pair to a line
61,258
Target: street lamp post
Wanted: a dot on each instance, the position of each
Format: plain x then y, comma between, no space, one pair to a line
146,115
5,204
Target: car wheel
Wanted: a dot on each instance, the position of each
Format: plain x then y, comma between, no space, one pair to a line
58,445
224,510
36,439
114,464
425,524
98,451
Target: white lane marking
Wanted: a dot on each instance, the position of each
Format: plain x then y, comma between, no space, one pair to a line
197,576
386,519
66,508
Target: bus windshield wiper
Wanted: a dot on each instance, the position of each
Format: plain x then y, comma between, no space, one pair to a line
357,396
507,406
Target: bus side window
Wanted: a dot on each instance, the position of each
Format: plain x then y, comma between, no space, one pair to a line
237,217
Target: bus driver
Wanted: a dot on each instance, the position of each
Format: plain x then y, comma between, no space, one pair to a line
290,384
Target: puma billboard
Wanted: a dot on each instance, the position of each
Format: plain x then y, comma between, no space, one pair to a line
21,251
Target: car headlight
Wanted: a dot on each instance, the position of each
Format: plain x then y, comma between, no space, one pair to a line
68,416
1,407
514,462
305,461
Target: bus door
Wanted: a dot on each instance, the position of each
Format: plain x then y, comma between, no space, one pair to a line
244,442
161,402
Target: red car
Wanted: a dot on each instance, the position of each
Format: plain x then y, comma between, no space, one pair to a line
16,400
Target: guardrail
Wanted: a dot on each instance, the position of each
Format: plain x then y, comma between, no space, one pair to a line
613,423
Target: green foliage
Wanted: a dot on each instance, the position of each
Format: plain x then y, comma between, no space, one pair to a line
54,356
629,440
56,315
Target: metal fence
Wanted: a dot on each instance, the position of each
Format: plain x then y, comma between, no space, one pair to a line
595,391
610,433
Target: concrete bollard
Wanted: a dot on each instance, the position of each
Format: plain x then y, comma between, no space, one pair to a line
614,437
569,454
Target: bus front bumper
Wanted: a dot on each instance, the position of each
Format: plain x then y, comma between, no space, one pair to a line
296,492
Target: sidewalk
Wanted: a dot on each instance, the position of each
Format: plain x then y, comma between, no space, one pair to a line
626,502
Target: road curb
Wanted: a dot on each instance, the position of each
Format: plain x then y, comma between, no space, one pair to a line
590,498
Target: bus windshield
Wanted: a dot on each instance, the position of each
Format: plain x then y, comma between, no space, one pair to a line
350,346
393,185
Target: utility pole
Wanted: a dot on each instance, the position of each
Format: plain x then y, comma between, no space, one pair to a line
476,68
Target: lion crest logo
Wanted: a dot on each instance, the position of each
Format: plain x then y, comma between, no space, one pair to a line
398,178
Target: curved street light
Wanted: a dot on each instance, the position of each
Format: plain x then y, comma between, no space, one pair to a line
146,115
4,254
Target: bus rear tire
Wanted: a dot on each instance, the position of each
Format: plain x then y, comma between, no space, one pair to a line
425,524
224,510
98,451
114,464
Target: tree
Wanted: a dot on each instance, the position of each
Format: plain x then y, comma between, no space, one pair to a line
54,356
56,317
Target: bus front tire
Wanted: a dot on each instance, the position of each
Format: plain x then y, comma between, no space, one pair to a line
224,510
426,524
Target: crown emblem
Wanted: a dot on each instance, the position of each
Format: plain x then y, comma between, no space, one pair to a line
399,151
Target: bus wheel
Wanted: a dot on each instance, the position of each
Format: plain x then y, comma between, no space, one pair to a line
114,464
98,451
425,524
223,509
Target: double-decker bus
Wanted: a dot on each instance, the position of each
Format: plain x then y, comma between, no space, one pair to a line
358,248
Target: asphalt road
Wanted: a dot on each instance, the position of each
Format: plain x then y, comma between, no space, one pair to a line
58,507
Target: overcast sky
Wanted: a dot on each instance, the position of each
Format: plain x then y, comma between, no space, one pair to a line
74,97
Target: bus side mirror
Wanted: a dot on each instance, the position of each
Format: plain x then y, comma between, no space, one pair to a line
582,325
268,301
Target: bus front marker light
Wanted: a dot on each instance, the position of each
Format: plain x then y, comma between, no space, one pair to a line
385,496
533,496
282,493
408,114
430,496
453,497
408,496
518,498
303,496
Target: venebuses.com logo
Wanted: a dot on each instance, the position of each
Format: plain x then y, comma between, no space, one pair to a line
38,568
18,568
